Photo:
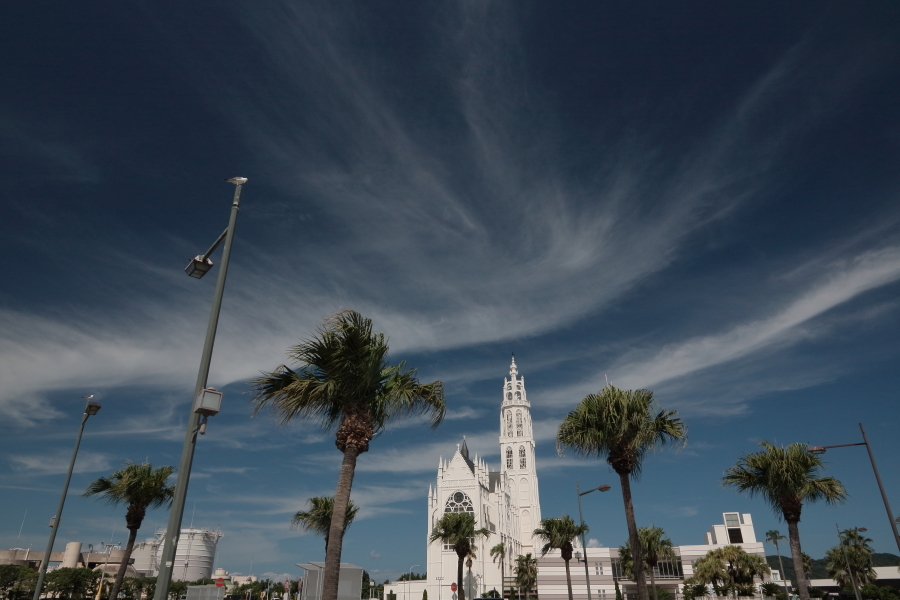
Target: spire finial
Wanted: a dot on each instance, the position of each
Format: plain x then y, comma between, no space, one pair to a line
513,370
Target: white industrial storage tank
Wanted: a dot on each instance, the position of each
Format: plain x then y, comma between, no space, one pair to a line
194,554
144,555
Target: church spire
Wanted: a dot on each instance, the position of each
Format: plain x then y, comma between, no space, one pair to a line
513,370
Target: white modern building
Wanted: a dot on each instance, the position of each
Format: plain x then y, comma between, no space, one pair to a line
604,567
195,554
504,501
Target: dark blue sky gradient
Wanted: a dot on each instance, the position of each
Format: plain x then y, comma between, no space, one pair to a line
699,198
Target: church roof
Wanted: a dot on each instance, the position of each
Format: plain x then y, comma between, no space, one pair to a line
464,452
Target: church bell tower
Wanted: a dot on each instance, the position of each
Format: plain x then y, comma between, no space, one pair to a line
517,456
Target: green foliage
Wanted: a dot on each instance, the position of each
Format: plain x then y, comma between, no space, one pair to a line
17,581
317,518
870,591
177,588
458,529
413,577
771,588
526,573
815,592
72,583
391,596
693,590
424,594
559,532
618,590
492,594
663,594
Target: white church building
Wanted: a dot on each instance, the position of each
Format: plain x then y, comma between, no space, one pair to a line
506,502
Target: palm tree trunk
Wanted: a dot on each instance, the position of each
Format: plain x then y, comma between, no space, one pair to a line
502,577
459,577
636,554
332,569
794,538
568,579
123,566
781,565
653,582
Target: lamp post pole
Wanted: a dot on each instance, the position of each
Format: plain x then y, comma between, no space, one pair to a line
90,408
409,581
173,529
587,575
884,498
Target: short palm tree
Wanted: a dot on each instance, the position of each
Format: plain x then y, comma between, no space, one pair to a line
560,532
623,426
498,553
851,560
526,572
140,487
787,477
318,518
773,536
345,382
654,548
457,529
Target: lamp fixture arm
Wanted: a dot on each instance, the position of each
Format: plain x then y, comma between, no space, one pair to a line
215,245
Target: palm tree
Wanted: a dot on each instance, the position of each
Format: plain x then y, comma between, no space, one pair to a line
654,547
526,572
853,556
498,553
786,478
559,533
624,426
318,518
709,570
457,529
345,381
140,487
773,536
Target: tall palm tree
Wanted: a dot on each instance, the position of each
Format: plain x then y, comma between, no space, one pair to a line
345,382
654,548
140,487
786,477
526,572
498,553
773,536
559,532
624,426
458,530
318,518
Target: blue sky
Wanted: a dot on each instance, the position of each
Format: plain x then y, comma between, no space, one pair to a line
697,198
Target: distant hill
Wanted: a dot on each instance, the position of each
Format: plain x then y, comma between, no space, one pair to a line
880,559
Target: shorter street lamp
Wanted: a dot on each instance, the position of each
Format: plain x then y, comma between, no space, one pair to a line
587,576
409,581
847,560
865,442
90,409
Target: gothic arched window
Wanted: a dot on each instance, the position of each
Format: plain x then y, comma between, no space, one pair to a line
509,458
518,423
459,502
518,395
509,424
522,461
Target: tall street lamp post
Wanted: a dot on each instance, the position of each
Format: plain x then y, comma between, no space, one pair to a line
602,488
865,442
206,401
90,409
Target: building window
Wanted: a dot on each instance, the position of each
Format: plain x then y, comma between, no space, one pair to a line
522,461
518,395
509,424
598,569
518,423
459,502
732,520
509,458
735,536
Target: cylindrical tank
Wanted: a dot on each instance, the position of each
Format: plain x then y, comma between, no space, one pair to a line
195,553
72,556
144,555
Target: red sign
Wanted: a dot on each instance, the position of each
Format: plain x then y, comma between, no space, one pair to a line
220,582
453,587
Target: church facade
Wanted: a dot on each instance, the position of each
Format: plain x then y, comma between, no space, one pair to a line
506,501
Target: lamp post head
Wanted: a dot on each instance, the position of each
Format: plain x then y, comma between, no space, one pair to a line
198,267
604,488
92,408
237,180
816,449
861,529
